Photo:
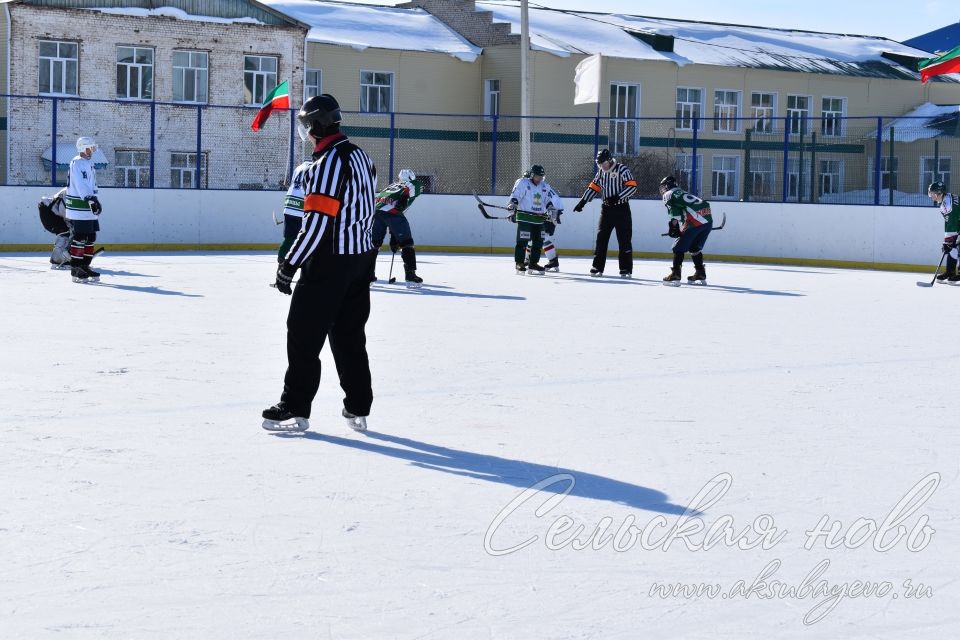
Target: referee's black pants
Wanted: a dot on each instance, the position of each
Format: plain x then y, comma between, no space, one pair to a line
332,299
616,218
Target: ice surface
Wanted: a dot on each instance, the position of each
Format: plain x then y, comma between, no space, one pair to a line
141,499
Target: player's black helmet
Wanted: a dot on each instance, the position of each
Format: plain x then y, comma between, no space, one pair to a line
936,187
319,116
537,170
603,156
667,184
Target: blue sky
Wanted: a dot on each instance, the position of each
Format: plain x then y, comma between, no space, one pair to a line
894,20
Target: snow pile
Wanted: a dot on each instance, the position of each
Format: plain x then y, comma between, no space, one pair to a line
171,12
868,197
364,26
920,123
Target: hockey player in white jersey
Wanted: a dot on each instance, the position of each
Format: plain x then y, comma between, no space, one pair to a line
549,230
532,203
83,211
293,209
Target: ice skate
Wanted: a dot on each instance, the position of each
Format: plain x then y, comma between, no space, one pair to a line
697,278
521,268
944,276
626,275
553,265
672,279
535,270
357,423
699,270
413,280
279,418
92,276
78,275
596,273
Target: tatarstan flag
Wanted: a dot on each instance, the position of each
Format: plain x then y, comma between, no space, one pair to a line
279,98
948,62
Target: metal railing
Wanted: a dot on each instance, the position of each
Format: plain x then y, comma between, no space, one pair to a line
157,145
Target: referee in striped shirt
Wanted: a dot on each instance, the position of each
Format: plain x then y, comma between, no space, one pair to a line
335,255
615,184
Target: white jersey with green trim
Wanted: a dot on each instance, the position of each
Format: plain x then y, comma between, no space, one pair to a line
81,184
293,201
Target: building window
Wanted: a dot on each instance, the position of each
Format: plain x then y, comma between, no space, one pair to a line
491,98
689,106
259,78
763,110
726,111
58,67
725,176
376,92
832,114
798,113
190,73
132,168
312,85
888,172
624,111
831,176
798,178
135,73
762,177
183,170
928,173
683,171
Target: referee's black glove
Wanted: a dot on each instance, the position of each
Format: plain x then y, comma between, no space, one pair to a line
285,275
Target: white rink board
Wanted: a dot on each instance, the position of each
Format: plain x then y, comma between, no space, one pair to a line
902,235
142,499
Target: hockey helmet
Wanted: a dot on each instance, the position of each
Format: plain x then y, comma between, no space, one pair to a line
667,184
604,155
319,116
537,170
936,187
407,175
84,143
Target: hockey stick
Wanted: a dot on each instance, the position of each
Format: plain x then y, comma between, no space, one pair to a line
482,206
390,278
273,214
935,274
723,221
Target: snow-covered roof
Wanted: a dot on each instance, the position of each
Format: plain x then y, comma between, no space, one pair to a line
363,26
563,33
926,121
171,12
67,151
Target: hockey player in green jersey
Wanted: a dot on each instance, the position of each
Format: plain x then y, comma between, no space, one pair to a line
947,204
532,202
690,224
392,205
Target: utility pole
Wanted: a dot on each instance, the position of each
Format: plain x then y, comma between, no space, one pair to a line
525,123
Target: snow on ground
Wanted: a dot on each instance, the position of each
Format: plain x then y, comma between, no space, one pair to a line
142,499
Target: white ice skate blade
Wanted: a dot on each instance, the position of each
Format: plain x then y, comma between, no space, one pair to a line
553,269
671,283
626,276
599,274
534,272
701,283
414,285
357,423
60,267
295,425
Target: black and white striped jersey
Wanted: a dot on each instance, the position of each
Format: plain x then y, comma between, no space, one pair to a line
617,183
340,189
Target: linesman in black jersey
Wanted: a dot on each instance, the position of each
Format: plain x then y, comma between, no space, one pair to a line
615,184
335,255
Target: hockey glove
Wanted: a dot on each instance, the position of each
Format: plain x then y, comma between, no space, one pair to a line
512,205
558,213
580,205
673,228
948,247
94,203
512,217
285,275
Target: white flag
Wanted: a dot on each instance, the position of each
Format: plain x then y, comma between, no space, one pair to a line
587,80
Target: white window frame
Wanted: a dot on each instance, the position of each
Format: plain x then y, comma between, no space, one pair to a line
61,64
892,178
261,82
822,174
136,70
366,87
491,98
837,117
683,168
793,178
926,177
772,173
687,111
187,172
729,121
311,89
735,181
769,119
201,76
139,172
624,130
801,124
